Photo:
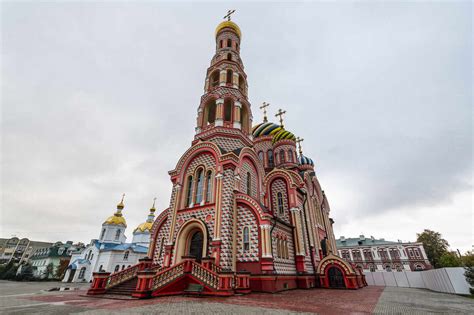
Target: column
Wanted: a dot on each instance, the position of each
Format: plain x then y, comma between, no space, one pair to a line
217,227
237,118
177,197
199,122
222,77
235,81
219,112
295,216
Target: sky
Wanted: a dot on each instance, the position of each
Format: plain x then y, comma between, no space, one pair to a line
100,99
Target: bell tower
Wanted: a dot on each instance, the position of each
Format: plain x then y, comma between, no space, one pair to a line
225,105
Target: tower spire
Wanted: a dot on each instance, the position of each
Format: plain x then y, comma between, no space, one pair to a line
280,113
120,206
264,107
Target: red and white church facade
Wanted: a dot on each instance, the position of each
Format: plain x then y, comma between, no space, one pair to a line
247,212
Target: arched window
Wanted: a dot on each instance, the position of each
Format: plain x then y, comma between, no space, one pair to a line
208,186
278,248
399,268
388,268
189,192
290,156
280,203
123,267
82,272
270,158
372,268
222,43
237,46
116,268
215,78
125,256
210,112
102,234
227,110
260,155
92,257
162,246
229,43
229,56
249,184
199,184
229,76
117,235
287,255
282,156
241,83
101,268
246,239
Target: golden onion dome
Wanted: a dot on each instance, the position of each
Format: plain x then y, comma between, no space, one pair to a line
148,224
117,218
228,24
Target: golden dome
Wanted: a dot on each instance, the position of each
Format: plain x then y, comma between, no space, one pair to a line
230,24
116,219
146,226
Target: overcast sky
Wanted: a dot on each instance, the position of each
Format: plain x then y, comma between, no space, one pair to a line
100,99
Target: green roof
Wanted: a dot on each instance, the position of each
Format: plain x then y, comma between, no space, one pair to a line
361,241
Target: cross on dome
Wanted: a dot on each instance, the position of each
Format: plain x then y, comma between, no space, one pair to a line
298,141
264,107
280,113
227,16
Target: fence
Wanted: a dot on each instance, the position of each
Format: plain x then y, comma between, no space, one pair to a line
447,280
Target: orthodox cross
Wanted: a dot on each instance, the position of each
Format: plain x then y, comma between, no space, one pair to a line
154,199
280,113
123,196
298,141
264,107
227,16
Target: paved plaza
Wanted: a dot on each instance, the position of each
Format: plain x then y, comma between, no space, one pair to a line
33,298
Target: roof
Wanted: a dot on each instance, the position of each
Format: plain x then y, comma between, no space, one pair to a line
104,247
362,241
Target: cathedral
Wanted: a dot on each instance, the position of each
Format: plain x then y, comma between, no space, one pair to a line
246,213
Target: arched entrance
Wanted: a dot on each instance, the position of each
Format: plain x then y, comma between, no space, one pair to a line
336,278
195,245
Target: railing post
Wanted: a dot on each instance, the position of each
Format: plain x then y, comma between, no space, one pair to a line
207,262
242,282
144,284
144,263
188,263
225,280
99,283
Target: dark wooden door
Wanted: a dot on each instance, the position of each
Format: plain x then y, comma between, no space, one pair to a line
336,279
195,248
71,275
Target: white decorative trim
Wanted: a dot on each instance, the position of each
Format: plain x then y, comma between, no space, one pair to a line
220,101
238,104
219,122
265,226
294,209
237,125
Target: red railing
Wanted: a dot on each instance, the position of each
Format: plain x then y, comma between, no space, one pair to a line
122,276
166,276
207,276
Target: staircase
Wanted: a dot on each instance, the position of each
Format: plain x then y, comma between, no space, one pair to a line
124,288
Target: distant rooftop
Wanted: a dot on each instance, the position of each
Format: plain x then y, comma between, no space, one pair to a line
362,241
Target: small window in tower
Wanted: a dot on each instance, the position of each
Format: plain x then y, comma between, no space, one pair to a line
229,56
125,256
116,268
102,234
282,156
229,76
227,110
260,155
290,156
229,43
211,112
199,185
249,184
237,46
189,192
215,79
246,239
241,84
270,158
208,186
117,235
280,203
222,43
82,272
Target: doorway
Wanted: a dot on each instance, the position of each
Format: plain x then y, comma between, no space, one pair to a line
336,278
195,245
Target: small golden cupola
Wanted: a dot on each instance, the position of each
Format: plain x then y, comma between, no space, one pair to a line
117,218
148,224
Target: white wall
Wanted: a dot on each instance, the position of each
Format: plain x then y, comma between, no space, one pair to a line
447,280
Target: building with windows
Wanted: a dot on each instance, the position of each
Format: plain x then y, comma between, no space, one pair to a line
111,252
373,255
247,212
18,250
47,260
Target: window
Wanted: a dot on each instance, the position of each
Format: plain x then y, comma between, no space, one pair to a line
101,268
418,267
199,184
372,268
82,272
210,112
125,256
116,268
229,76
417,253
290,156
92,257
237,46
222,43
399,268
209,186
280,203
246,239
229,43
102,234
410,253
227,110
282,156
189,194
241,84
89,255
215,78
388,268
260,155
117,235
270,158
123,267
229,56
249,184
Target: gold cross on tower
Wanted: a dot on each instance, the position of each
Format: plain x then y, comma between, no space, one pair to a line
264,107
227,16
298,141
280,113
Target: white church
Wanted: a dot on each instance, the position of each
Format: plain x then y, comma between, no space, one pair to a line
111,252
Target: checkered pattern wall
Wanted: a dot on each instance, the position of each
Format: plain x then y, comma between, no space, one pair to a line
245,218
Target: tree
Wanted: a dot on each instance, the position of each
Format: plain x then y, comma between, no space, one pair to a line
435,246
450,260
468,259
8,272
61,269
49,271
470,277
